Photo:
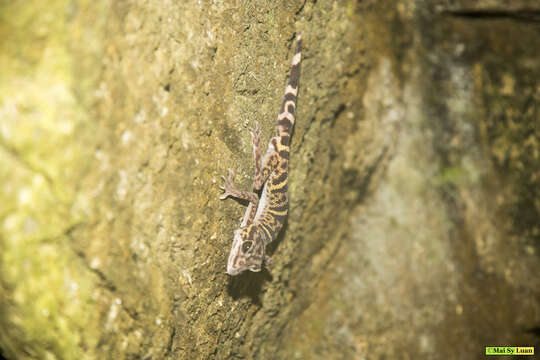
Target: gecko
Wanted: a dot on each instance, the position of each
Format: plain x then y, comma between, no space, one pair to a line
265,215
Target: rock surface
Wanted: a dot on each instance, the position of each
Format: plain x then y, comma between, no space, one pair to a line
414,217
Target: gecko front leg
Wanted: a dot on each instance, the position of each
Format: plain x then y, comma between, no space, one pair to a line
230,190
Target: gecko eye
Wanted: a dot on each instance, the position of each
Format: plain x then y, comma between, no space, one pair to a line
246,246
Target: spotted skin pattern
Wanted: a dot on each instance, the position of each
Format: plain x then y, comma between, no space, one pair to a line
265,216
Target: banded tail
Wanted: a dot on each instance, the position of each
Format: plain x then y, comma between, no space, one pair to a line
285,119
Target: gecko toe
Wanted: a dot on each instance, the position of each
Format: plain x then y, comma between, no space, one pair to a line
228,185
255,134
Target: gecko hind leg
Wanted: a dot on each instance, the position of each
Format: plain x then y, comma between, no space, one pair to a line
268,163
256,144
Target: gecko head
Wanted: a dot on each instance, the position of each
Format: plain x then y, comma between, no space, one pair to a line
247,252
